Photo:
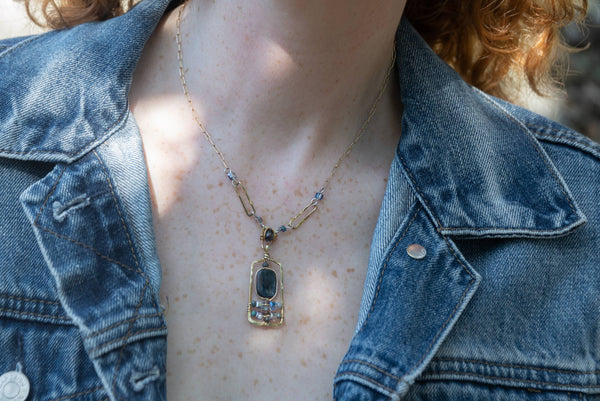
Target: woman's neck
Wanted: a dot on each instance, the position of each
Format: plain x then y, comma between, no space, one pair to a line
279,70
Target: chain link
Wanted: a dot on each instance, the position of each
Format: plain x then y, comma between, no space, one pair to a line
238,186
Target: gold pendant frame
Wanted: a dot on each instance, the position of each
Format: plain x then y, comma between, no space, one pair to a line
266,312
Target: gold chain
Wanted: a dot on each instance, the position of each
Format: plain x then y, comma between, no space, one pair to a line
238,186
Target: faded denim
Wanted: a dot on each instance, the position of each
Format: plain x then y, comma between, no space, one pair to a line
505,306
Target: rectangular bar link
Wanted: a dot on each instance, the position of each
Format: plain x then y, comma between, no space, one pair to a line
244,198
304,214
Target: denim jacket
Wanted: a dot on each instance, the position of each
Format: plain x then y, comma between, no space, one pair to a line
504,305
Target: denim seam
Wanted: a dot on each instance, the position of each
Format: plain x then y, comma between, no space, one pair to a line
502,365
529,137
514,379
125,337
35,314
29,299
372,366
494,228
120,264
548,137
386,264
119,212
139,271
119,323
66,397
390,390
79,152
440,330
561,131
36,224
21,44
420,191
131,247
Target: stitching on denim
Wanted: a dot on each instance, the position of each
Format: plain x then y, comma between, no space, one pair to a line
513,379
588,148
124,266
157,329
367,379
119,212
21,44
66,397
120,323
445,323
457,258
464,294
82,150
128,334
375,367
139,271
495,228
131,248
503,365
527,134
440,330
29,299
34,314
385,267
35,223
419,190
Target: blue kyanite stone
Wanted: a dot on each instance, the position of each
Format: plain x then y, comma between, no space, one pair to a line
266,283
283,229
319,196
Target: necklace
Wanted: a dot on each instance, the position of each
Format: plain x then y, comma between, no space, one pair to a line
265,292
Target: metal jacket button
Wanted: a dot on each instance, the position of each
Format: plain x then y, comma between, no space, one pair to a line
14,386
416,251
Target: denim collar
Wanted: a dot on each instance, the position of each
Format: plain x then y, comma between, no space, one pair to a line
477,170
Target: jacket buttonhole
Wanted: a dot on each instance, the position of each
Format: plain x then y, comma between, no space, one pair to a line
60,210
139,380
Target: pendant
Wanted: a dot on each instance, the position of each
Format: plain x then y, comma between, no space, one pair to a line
265,295
265,299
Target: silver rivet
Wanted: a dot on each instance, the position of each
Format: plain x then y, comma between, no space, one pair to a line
416,251
14,386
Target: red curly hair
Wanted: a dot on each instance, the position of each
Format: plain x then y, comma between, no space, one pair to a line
493,44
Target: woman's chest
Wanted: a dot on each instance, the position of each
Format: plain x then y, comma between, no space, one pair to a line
207,245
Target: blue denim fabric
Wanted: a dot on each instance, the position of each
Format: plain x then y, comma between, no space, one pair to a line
505,306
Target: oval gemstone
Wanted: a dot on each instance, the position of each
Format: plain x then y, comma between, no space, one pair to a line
266,283
269,235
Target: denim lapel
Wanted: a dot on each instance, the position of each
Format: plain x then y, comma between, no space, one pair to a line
477,170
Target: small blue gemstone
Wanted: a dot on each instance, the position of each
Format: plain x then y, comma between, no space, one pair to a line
265,264
253,304
282,229
253,313
318,196
271,303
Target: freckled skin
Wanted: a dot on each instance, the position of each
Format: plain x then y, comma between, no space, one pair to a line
206,245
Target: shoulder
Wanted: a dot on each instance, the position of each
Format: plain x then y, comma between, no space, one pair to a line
67,89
